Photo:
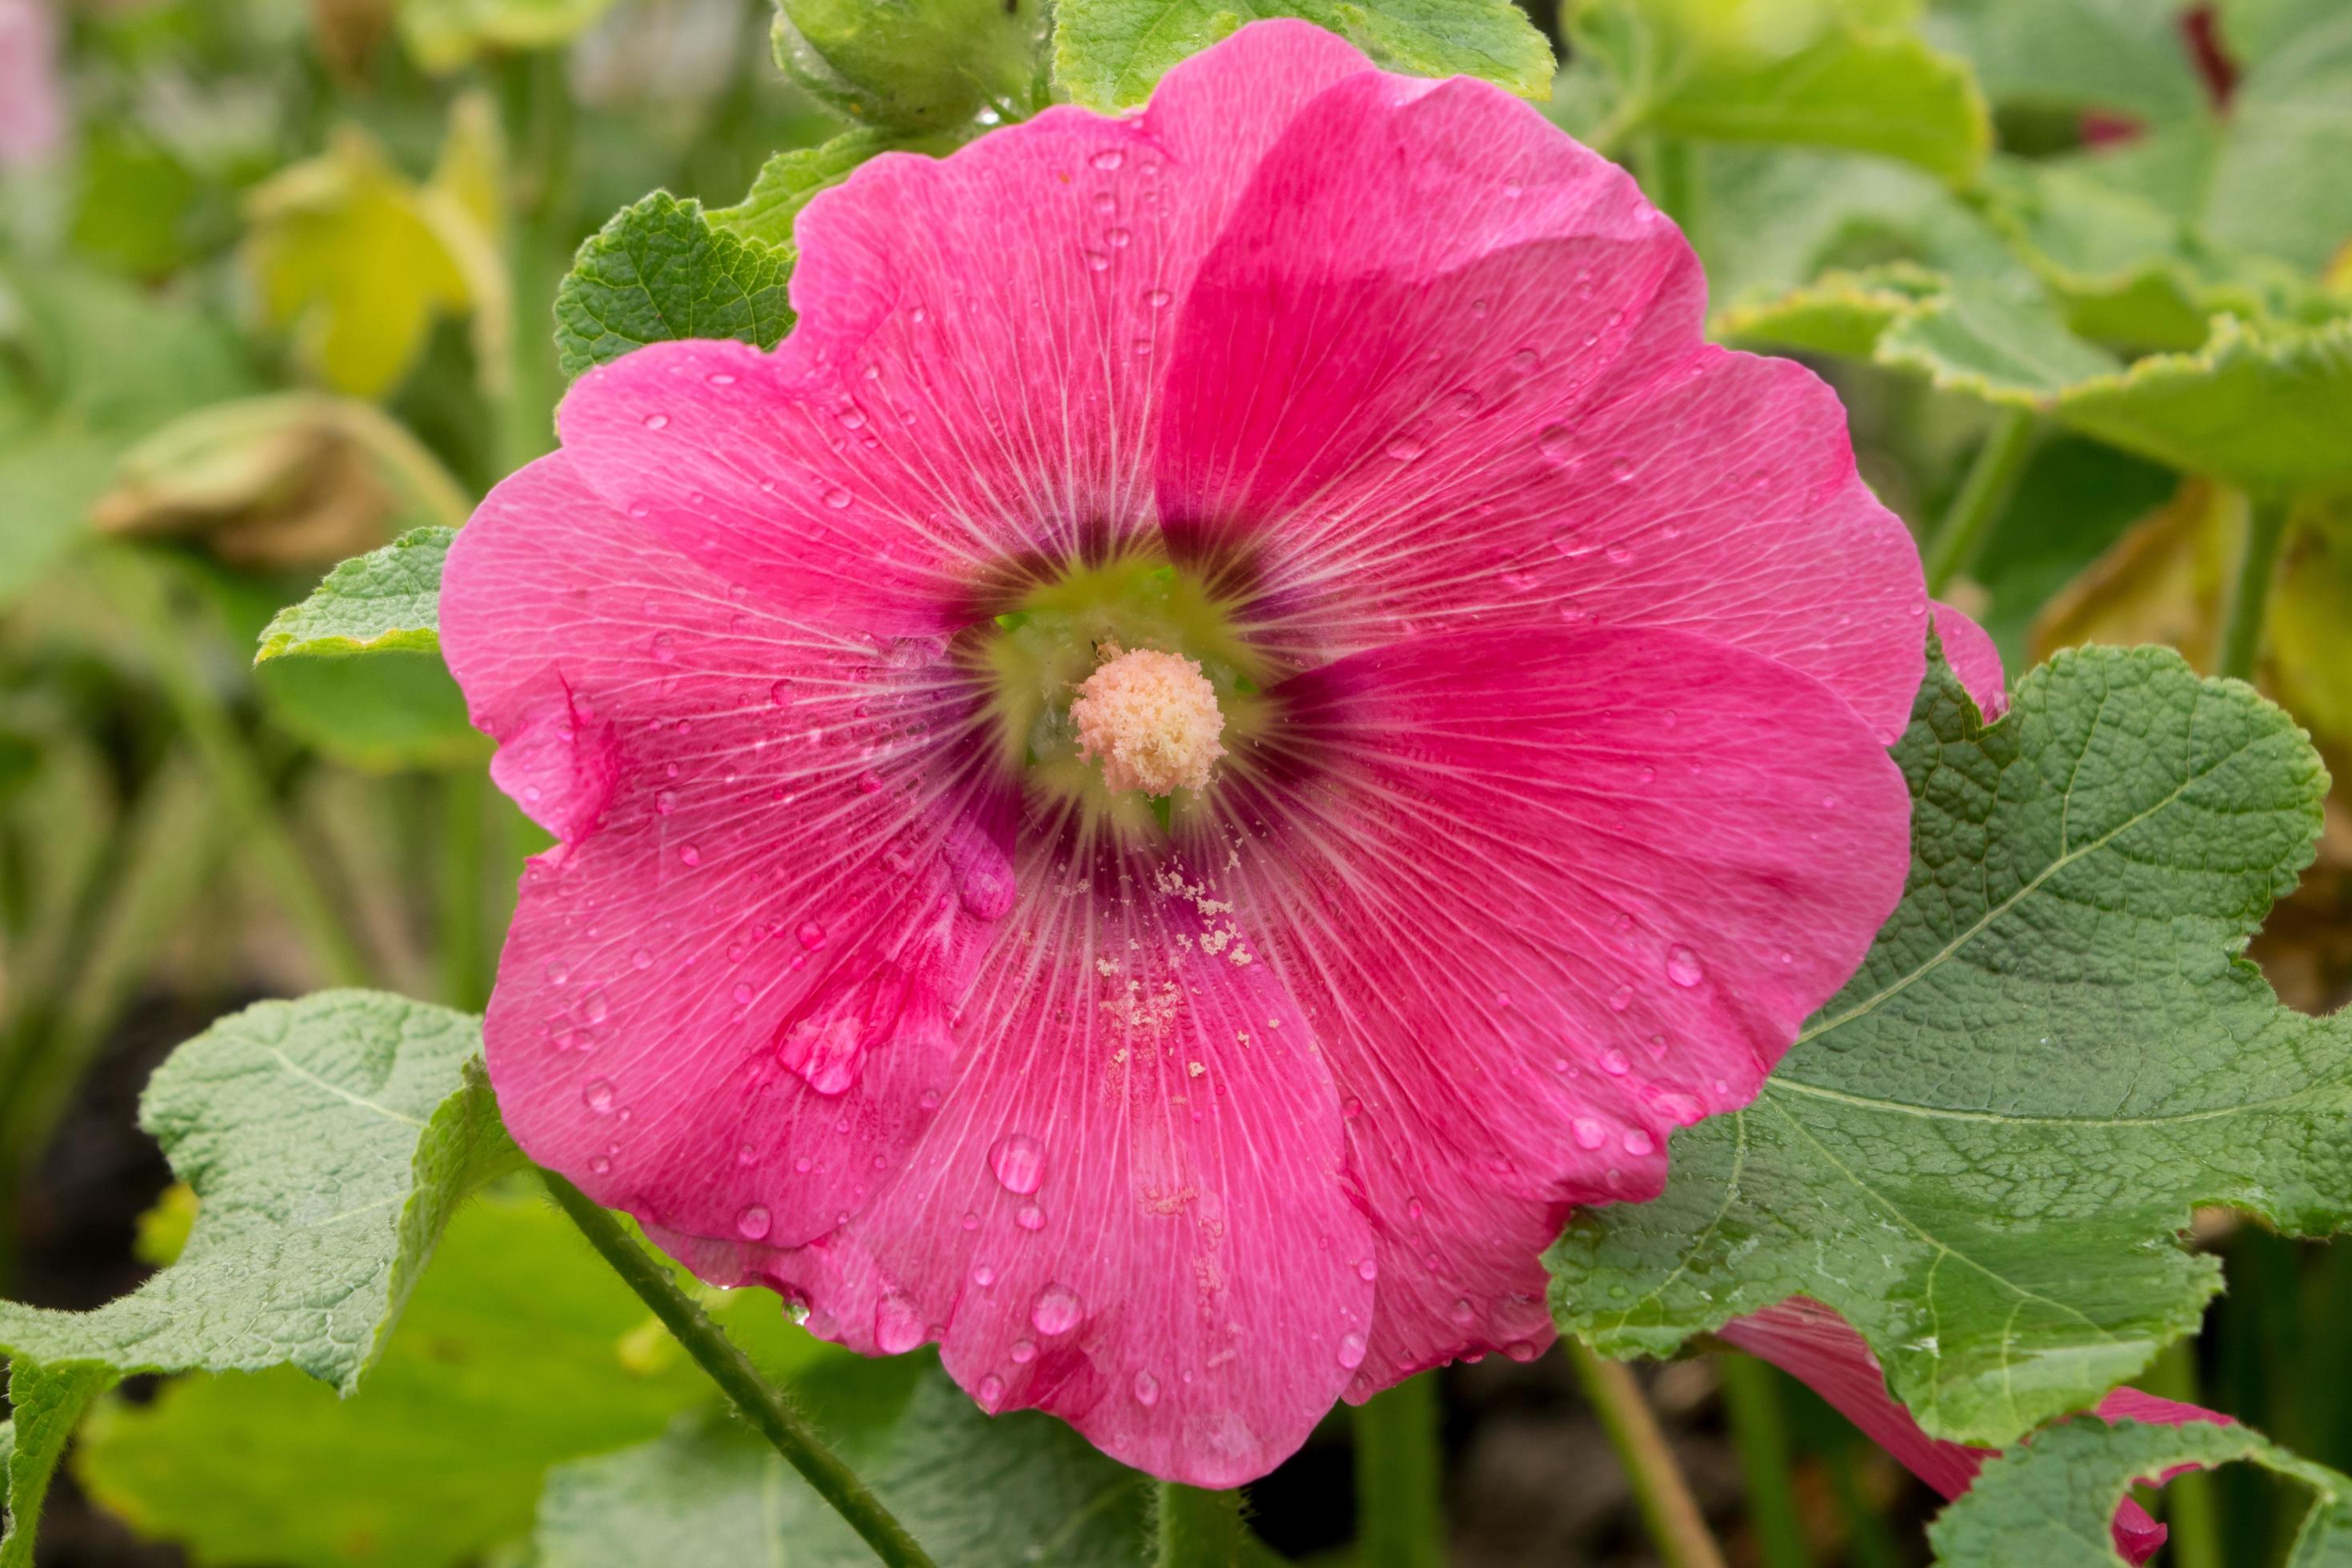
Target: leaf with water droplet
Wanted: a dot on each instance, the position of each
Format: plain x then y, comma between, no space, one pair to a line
1985,1150
659,270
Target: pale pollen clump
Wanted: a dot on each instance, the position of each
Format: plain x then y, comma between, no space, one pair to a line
1151,720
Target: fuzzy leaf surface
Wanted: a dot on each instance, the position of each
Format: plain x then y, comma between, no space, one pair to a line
660,270
1984,1151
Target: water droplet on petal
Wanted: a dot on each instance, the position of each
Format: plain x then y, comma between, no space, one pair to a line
1638,1142
1057,1311
1613,1062
1107,159
753,1222
1621,998
898,1326
1557,442
1024,1352
983,1276
1351,1349
1146,1390
1523,1350
836,498
1406,448
690,854
1682,966
1019,1162
656,421
597,1096
1589,1133
991,1393
1369,1268
1463,1312
811,934
1030,1217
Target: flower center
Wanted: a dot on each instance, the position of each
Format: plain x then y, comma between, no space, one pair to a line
1150,719
1115,688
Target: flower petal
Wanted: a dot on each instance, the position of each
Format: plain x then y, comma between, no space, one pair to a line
1130,1212
970,386
1546,896
1974,659
1444,368
1820,1349
724,996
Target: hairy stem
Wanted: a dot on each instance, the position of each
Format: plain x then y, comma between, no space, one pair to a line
1399,1520
1984,494
1668,1510
1196,1528
2249,590
767,1407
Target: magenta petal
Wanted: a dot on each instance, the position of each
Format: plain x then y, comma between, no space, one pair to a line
1130,1211
1819,1347
1446,365
971,382
32,85
1970,650
724,996
1541,893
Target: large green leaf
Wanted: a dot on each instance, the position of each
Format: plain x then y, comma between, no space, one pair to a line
518,1350
976,1491
787,181
1110,53
2048,1502
2124,56
1984,1151
1849,74
659,270
329,1140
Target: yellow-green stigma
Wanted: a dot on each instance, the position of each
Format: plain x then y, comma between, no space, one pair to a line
1122,687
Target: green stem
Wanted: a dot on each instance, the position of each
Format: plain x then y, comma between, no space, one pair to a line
1762,1435
2249,589
1196,1528
463,947
1676,1527
1984,495
137,591
1400,1522
2187,1501
757,1400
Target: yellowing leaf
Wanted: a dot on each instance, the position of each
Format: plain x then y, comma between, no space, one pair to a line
359,260
443,35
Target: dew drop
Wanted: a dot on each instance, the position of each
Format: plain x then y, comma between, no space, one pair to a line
1107,159
597,1096
836,498
690,854
1120,238
1557,442
1351,1349
656,421
665,802
601,1165
1621,998
1613,1062
1523,1350
1638,1142
1057,1311
1682,966
1369,1268
719,378
1462,1312
991,1393
1157,299
781,694
753,1222
1019,1162
1024,1352
643,958
1030,1217
1097,261
1589,1133
898,1327
1407,448
983,1276
742,994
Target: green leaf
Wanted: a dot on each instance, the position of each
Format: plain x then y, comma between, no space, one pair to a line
328,1142
2049,1503
1985,1150
659,272
976,1491
787,181
1851,74
2123,56
387,599
2262,408
1110,53
914,65
518,1350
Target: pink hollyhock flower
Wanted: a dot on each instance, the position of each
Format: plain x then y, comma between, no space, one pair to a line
32,99
1335,452
1813,1344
